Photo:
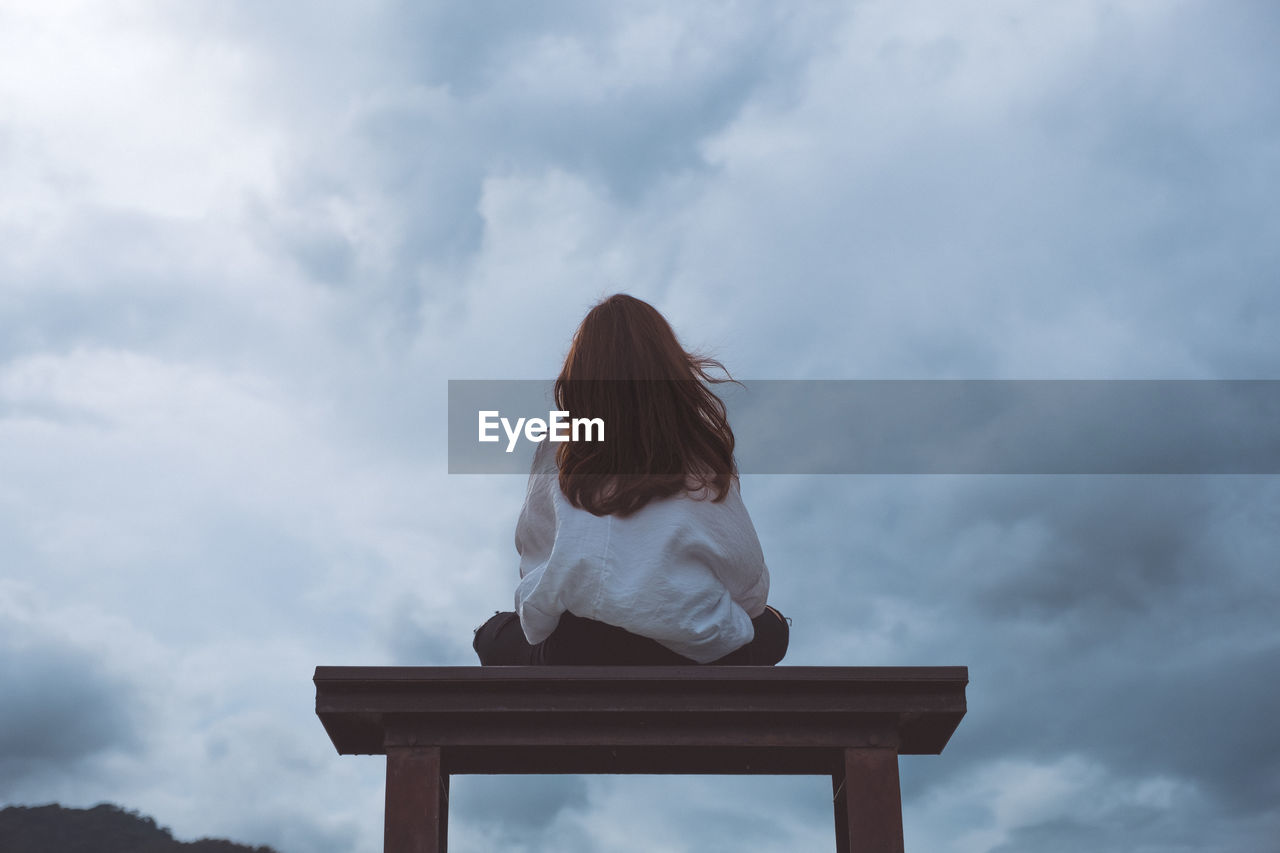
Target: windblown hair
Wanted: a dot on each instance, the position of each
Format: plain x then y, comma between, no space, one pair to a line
666,432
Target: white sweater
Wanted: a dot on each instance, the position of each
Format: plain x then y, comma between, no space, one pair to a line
684,571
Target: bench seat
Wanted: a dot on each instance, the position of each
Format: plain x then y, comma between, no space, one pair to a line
850,723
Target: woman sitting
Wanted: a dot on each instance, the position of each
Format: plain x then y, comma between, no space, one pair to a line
637,549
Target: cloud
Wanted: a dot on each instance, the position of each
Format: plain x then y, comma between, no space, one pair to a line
65,703
942,224
514,808
246,245
1058,803
1113,620
640,813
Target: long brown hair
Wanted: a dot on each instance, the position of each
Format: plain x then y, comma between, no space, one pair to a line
665,431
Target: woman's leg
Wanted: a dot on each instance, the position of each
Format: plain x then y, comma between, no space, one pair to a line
586,642
773,635
578,641
500,642
575,642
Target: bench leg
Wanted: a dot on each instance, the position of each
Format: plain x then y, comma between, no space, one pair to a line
868,802
417,816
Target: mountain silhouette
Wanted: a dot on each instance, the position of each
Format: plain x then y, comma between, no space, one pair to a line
105,828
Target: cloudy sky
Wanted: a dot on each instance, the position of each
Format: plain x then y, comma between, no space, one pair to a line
244,245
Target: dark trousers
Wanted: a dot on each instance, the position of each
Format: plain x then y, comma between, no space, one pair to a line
585,642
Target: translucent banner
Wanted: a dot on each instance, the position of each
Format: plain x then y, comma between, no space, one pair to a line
919,426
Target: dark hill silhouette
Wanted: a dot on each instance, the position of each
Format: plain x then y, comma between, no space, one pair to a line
102,829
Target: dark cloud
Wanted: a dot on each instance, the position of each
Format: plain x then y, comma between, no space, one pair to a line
1205,721
61,708
1118,833
624,99
1138,714
1121,827
1124,621
1116,545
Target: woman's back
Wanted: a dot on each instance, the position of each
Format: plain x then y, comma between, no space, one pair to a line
684,570
637,549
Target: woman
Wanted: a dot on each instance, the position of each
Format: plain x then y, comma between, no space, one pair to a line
637,549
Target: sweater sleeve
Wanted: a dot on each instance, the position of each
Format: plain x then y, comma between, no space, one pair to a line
692,615
744,574
537,596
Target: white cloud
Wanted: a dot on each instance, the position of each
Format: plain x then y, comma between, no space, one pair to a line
109,106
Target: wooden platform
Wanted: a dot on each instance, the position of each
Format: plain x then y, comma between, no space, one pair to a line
850,723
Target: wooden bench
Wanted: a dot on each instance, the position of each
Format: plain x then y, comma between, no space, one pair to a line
850,723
